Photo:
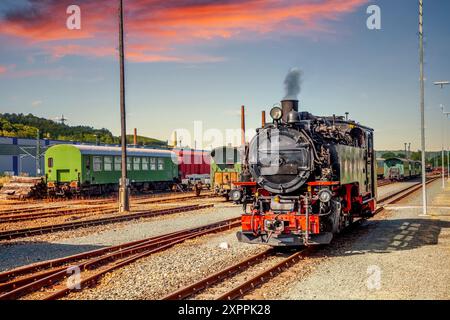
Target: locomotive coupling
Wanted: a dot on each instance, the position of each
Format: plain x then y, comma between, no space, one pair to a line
273,226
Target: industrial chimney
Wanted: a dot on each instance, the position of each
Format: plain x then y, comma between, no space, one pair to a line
135,137
242,125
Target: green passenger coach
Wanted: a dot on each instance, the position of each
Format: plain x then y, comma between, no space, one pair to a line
89,170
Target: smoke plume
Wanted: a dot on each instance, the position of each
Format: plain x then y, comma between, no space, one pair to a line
292,84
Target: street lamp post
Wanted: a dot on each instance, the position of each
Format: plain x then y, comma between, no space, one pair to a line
442,150
448,153
442,84
124,200
422,109
409,150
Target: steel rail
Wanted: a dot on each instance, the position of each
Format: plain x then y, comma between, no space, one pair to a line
271,272
36,213
143,248
198,286
35,267
119,255
264,276
163,197
86,210
26,232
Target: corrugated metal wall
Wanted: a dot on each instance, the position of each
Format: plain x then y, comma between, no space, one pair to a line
14,158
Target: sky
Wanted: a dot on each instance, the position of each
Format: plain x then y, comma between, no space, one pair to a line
200,60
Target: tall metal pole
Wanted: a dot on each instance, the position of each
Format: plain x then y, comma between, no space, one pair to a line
38,154
442,149
448,156
422,110
442,84
124,200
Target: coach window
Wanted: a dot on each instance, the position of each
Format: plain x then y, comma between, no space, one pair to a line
160,164
50,162
136,163
108,163
152,164
97,164
117,163
128,164
145,164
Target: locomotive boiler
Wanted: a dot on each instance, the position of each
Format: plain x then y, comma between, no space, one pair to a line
311,175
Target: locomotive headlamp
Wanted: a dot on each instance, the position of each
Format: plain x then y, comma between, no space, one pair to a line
325,195
276,113
235,195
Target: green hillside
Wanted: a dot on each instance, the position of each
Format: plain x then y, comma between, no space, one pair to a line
25,126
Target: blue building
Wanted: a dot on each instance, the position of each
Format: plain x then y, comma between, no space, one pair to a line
17,155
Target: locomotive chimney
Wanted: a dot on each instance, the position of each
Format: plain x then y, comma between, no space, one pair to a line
288,106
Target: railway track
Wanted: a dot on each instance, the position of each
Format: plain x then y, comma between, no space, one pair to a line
101,209
46,279
253,282
164,197
27,232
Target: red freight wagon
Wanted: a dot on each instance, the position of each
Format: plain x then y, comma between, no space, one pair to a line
192,162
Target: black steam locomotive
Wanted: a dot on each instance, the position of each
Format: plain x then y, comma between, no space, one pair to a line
311,177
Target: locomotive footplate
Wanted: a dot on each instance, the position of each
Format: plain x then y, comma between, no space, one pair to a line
284,240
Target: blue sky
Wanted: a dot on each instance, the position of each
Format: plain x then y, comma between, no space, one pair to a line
187,77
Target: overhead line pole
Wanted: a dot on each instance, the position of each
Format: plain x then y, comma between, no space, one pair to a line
124,200
422,110
38,154
442,149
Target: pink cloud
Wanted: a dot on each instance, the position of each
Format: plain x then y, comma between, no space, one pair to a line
162,30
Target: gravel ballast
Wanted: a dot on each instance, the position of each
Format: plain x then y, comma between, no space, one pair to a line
160,274
39,248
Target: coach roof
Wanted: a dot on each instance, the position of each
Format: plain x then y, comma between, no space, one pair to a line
117,151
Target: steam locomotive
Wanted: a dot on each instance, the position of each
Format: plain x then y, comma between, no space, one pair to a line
310,177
